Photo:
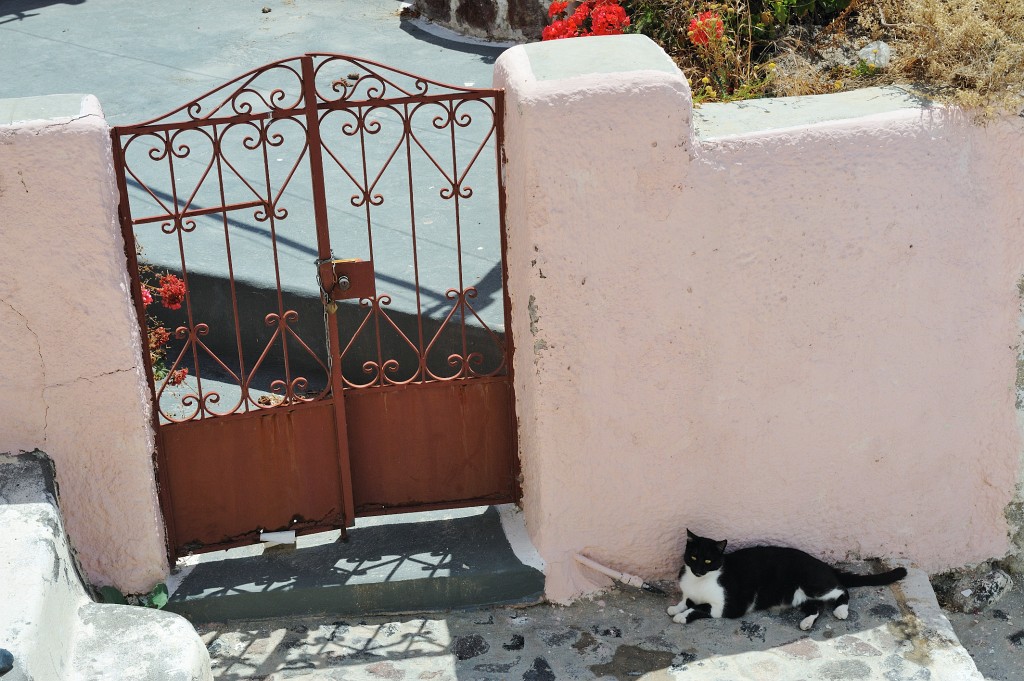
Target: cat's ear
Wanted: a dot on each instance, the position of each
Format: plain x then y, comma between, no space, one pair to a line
721,545
691,535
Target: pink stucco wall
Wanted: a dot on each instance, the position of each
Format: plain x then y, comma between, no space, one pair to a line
805,336
70,364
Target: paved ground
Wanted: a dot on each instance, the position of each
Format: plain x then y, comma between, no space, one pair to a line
894,634
995,638
142,58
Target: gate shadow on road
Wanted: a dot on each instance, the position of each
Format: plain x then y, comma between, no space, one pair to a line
19,10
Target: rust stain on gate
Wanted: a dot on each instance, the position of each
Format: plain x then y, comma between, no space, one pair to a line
342,348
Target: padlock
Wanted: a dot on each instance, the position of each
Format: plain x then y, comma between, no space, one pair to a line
332,307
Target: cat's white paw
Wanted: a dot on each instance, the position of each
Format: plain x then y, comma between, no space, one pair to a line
842,611
675,609
680,618
807,622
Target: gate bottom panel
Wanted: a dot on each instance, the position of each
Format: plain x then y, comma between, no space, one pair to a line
430,446
232,476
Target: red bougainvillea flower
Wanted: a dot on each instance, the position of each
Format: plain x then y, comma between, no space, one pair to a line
608,19
591,17
177,377
158,337
172,291
563,28
147,297
703,26
578,20
558,29
557,8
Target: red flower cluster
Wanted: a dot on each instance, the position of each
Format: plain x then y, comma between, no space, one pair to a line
703,26
158,337
608,19
177,377
591,17
172,291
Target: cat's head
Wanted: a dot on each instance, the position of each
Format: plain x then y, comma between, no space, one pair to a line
703,555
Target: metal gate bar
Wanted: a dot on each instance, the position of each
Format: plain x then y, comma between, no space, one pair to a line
407,406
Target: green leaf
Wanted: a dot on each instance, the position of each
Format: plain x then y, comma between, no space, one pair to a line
158,596
111,595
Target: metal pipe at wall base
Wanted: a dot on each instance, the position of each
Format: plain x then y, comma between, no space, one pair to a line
624,577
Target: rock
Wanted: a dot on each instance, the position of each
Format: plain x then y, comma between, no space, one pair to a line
516,643
877,54
835,57
541,671
975,592
468,647
6,661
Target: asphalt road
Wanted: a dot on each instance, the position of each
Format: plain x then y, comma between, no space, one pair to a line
143,58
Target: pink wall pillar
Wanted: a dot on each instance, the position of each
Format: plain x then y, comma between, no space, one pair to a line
803,336
73,383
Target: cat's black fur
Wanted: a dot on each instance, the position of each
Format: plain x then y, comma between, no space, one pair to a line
762,577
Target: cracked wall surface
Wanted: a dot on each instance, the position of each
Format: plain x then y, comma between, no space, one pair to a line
804,335
21,399
70,360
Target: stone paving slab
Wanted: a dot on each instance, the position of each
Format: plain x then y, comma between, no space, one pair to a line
896,634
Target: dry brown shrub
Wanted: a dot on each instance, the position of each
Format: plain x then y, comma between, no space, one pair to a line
797,75
966,52
969,52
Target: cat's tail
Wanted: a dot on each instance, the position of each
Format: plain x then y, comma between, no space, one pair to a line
849,579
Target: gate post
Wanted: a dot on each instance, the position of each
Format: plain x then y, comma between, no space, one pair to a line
323,243
70,350
595,130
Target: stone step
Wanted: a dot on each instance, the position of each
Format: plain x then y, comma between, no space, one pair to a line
132,642
420,562
48,619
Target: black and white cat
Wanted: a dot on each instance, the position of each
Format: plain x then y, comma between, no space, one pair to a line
717,584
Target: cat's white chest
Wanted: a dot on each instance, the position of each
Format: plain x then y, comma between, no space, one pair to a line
704,589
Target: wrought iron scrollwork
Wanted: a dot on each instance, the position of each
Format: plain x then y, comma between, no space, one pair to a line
180,164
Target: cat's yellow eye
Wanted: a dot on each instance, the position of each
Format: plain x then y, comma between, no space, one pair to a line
707,561
693,557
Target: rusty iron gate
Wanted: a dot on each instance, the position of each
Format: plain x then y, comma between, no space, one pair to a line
318,257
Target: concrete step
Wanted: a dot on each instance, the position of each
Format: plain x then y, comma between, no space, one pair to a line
418,562
40,587
48,619
131,642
